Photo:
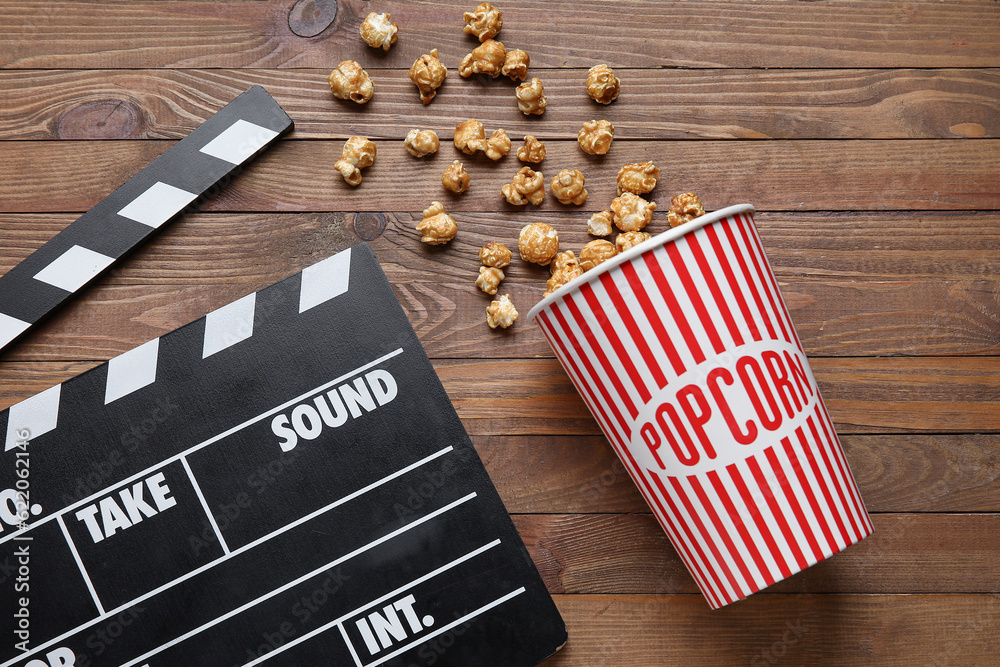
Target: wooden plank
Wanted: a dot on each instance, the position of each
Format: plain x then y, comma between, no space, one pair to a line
261,248
728,33
615,554
773,175
896,473
889,630
833,317
534,396
690,104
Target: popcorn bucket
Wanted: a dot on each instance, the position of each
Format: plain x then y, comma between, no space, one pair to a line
684,351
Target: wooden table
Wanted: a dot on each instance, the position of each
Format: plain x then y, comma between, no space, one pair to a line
866,133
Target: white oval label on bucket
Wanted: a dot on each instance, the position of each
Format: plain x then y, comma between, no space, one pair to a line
724,410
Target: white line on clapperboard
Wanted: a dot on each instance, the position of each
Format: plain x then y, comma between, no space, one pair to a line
242,549
305,577
206,443
79,564
372,603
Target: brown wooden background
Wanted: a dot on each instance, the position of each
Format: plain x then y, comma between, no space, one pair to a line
866,133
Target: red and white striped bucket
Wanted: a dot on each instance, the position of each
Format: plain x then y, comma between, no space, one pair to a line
684,351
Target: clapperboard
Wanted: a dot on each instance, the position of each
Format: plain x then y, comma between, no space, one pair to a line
192,170
282,482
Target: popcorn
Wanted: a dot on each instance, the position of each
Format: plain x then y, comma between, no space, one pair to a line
602,84
437,226
495,254
357,154
470,136
564,269
628,240
489,279
427,74
684,208
527,186
349,82
455,178
501,313
531,97
638,177
596,252
419,143
378,30
532,151
599,223
632,212
515,65
538,243
595,137
568,188
497,145
487,58
485,22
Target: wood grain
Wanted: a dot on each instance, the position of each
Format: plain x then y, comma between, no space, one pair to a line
774,175
614,554
652,34
262,248
690,104
896,473
535,397
953,309
890,630
833,317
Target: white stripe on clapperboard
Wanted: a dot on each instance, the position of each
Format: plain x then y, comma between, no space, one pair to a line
256,542
305,577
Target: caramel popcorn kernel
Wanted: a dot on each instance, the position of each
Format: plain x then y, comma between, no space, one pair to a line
567,186
564,269
470,136
632,212
595,252
419,143
427,74
538,243
531,97
357,154
501,313
494,254
527,186
349,82
497,145
595,136
489,279
379,31
628,240
455,178
515,65
437,226
484,22
638,177
684,208
532,151
602,84
487,58
599,223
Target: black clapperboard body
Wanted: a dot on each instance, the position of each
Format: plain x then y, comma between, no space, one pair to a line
282,482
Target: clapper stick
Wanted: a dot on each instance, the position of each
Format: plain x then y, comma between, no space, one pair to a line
179,180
